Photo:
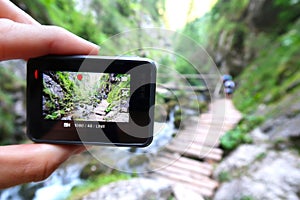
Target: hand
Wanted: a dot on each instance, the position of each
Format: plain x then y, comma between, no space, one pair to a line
21,37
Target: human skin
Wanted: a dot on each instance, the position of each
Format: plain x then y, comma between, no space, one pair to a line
21,37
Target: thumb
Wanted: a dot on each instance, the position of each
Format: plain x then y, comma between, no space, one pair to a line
32,162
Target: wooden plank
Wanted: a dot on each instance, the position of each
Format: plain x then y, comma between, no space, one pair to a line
207,131
197,150
196,140
199,132
207,182
214,119
189,161
183,166
200,148
194,153
204,140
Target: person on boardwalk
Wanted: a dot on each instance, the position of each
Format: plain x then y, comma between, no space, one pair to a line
229,86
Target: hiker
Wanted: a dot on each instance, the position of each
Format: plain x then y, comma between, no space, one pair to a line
229,86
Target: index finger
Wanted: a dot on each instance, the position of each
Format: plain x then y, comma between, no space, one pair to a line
10,11
23,41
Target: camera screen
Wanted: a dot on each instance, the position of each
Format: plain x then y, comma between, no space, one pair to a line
85,96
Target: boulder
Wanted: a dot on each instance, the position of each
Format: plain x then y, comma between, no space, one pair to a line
259,173
282,128
241,158
138,160
133,189
93,169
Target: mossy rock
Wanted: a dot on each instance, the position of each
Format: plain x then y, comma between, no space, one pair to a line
177,121
93,169
171,104
138,160
160,113
27,191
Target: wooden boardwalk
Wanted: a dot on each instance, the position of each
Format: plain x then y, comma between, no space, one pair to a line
187,161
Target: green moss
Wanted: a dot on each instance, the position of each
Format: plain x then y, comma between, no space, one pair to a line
55,115
91,185
239,134
247,197
224,176
261,156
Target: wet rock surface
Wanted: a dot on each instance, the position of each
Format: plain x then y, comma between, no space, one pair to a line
93,169
276,176
267,169
282,128
134,189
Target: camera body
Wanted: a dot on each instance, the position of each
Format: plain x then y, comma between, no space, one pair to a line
91,100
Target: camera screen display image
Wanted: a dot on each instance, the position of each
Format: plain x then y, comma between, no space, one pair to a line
86,96
91,100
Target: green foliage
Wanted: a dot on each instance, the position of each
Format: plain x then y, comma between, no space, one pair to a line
79,191
53,102
108,109
274,74
247,197
229,10
233,138
51,95
224,176
239,134
94,20
6,118
9,84
115,92
224,17
55,115
65,82
261,156
289,12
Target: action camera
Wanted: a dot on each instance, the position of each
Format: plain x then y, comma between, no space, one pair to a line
91,100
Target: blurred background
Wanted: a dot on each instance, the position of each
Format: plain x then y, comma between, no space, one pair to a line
255,41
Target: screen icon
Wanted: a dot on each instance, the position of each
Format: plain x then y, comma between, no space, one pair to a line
67,125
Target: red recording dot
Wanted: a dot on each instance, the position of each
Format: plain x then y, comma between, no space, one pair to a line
36,74
79,77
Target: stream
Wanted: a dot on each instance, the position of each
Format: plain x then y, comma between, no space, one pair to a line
60,183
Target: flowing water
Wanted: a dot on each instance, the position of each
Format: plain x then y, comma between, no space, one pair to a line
60,183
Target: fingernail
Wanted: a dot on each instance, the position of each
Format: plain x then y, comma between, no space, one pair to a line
95,50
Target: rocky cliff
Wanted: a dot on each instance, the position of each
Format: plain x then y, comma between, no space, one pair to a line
240,30
258,42
12,101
